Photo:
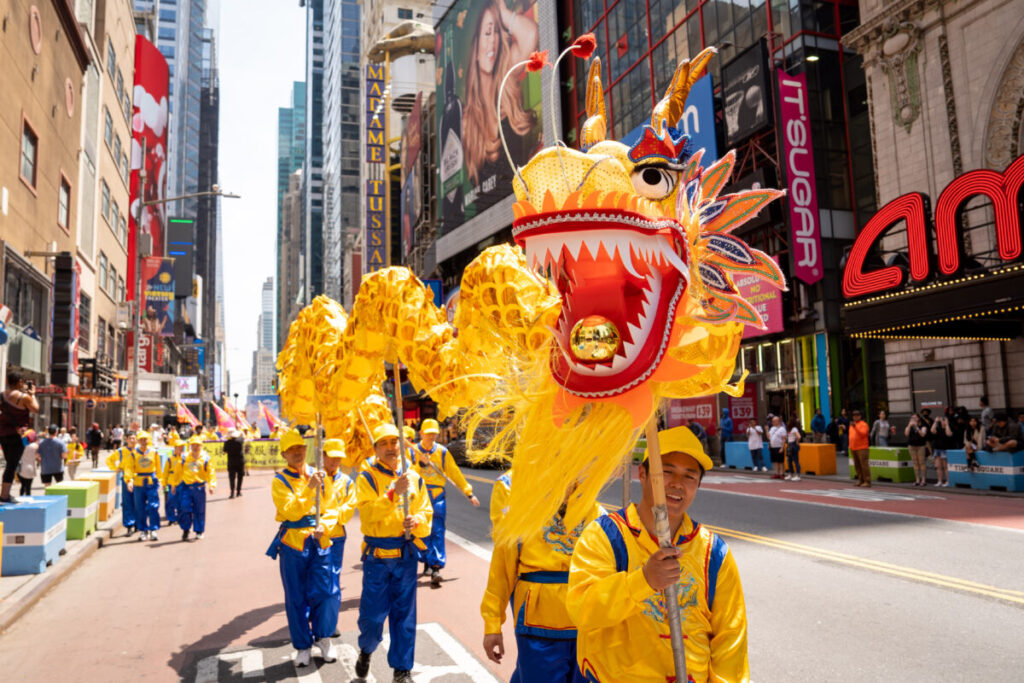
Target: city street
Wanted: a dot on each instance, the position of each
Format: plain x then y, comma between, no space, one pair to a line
844,588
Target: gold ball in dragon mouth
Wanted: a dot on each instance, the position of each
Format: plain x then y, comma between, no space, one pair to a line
594,339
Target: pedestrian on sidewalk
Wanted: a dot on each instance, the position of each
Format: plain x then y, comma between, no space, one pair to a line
436,467
172,480
818,427
1005,436
391,536
532,579
755,442
618,570
198,476
881,430
793,439
859,449
116,436
93,442
942,441
52,452
725,430
234,449
340,496
776,442
303,549
974,441
75,453
987,414
117,461
29,463
142,470
917,443
16,408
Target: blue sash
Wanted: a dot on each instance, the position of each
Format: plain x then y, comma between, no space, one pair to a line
390,543
304,523
545,577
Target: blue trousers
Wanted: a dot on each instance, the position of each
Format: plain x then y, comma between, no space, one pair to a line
546,660
389,592
309,593
337,551
127,506
192,510
757,455
171,503
147,506
435,555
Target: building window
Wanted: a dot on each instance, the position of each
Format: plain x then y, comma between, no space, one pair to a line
84,318
105,200
108,127
29,152
120,85
117,150
126,102
115,214
101,338
113,284
111,58
64,203
404,13
122,231
104,265
124,167
120,290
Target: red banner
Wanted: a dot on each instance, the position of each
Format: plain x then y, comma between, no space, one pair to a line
700,409
149,123
743,408
766,300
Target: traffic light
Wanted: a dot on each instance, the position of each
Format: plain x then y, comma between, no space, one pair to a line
64,324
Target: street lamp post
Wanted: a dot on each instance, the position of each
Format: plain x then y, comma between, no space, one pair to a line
136,307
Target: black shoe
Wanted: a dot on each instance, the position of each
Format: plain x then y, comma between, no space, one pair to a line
337,633
363,664
10,500
184,535
239,494
131,530
232,495
435,577
402,676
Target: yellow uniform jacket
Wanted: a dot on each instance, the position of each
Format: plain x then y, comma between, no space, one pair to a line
340,493
142,467
623,632
499,498
444,462
199,469
172,469
76,451
296,504
380,509
535,574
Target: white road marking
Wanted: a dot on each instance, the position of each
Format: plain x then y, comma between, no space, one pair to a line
306,674
252,665
866,495
734,479
464,661
468,545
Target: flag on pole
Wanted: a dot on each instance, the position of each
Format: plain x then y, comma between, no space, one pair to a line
185,415
237,415
224,421
273,423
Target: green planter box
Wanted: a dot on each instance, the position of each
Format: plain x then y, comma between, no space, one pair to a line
83,505
888,464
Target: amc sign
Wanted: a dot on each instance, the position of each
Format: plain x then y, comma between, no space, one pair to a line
946,259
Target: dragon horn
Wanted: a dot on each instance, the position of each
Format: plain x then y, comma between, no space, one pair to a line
595,128
670,109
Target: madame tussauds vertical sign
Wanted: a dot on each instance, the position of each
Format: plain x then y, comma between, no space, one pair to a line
802,194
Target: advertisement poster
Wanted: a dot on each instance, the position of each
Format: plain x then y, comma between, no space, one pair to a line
158,296
743,408
746,93
697,121
477,42
765,299
149,123
412,182
377,253
252,410
699,409
801,188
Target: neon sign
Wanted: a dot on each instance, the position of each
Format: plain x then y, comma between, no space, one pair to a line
1002,189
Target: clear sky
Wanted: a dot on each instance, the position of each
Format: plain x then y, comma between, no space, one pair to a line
262,52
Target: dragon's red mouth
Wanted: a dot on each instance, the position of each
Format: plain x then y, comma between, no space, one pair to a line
617,264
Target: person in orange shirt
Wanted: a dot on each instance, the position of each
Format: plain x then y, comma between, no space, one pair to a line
859,431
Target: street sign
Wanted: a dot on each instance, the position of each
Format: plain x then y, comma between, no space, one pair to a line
90,403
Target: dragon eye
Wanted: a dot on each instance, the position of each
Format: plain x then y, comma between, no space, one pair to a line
654,182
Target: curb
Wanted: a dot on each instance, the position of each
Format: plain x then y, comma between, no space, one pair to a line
21,600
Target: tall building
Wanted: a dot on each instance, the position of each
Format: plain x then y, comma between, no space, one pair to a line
312,168
263,373
289,263
208,261
266,320
341,110
291,153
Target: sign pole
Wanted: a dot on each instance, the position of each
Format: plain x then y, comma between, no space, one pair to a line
137,322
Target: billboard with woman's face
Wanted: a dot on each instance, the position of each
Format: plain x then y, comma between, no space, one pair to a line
478,41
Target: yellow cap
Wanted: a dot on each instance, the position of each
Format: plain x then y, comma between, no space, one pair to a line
409,433
290,439
683,440
384,430
174,441
195,441
143,435
334,448
430,427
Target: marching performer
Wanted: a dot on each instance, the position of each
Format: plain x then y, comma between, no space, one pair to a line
499,498
142,470
534,574
198,475
116,462
304,551
391,536
435,464
618,571
340,496
172,478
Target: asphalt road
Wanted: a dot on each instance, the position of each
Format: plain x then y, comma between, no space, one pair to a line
845,594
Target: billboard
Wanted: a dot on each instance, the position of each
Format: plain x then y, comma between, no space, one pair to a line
801,188
697,122
187,384
765,299
412,182
252,410
377,253
476,45
149,123
746,94
698,409
157,303
744,407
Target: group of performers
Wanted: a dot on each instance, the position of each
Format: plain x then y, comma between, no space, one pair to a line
586,602
185,477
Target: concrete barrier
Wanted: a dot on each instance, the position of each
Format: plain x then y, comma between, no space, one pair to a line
995,471
737,455
34,534
817,458
887,464
83,505
108,491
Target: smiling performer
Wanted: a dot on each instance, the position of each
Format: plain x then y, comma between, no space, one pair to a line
618,570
